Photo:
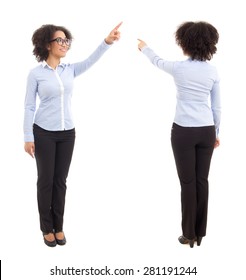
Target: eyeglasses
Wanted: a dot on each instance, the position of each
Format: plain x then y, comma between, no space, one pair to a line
60,41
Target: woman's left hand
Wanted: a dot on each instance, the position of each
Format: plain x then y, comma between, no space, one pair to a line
141,44
114,35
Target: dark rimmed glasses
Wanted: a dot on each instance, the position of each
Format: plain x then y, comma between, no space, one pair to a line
60,41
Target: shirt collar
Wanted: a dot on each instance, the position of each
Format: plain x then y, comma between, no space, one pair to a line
45,64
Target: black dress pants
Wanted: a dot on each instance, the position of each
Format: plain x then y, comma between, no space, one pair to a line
193,148
53,153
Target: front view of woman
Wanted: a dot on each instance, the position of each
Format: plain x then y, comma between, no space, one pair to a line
49,132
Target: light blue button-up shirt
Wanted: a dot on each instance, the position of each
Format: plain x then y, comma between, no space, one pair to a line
54,87
198,91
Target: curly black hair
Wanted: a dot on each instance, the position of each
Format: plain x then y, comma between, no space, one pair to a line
41,38
197,39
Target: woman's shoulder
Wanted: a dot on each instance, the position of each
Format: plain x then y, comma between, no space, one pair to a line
36,68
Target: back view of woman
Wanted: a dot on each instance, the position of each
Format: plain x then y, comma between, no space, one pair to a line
196,123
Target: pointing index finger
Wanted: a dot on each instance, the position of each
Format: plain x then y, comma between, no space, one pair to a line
118,26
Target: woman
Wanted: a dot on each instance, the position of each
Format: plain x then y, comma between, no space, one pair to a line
196,123
49,131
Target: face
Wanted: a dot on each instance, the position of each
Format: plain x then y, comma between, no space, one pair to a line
59,47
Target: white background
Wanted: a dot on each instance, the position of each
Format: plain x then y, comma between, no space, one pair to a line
123,198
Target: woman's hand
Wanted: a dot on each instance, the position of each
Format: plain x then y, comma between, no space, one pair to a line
114,35
141,44
217,143
30,148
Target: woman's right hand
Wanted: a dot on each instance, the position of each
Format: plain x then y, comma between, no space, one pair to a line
30,148
217,143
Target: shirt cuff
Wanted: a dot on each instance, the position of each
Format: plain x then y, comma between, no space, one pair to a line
28,138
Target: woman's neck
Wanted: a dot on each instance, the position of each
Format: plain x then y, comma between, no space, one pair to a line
53,62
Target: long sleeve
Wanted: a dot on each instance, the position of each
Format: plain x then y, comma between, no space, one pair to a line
81,67
160,63
216,105
30,107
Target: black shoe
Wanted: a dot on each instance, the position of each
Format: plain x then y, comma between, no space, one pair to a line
184,240
49,243
199,240
61,241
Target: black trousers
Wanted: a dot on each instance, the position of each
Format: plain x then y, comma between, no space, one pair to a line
53,153
193,148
